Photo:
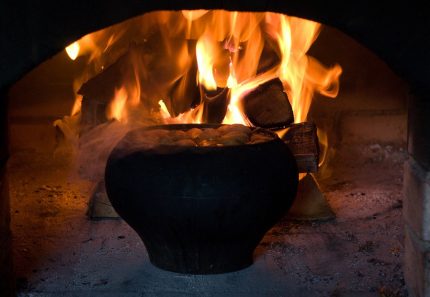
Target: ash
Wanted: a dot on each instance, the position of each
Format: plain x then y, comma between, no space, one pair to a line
59,251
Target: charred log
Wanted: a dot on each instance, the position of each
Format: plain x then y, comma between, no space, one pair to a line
185,92
150,65
214,104
268,106
101,87
270,56
99,90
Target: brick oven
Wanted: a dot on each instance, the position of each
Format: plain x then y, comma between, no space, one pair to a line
397,33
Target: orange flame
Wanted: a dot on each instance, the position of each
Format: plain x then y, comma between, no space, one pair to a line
229,50
323,142
77,105
205,60
164,112
193,116
235,113
116,109
73,50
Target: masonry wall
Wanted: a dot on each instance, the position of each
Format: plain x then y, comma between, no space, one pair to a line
6,276
416,183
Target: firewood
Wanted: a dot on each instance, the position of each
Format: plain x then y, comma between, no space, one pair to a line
98,91
214,104
185,92
303,142
270,56
102,86
93,112
148,66
268,106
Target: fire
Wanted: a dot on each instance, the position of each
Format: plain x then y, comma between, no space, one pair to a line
323,141
205,60
73,50
165,114
193,116
187,53
235,114
192,15
116,109
301,74
77,105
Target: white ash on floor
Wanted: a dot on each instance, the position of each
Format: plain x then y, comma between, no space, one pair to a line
60,252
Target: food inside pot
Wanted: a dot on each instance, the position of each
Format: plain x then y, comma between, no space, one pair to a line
225,135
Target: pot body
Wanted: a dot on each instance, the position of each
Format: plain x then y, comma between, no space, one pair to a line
201,210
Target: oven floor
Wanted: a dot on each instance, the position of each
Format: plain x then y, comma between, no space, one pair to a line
59,252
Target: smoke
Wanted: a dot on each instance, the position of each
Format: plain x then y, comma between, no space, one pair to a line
95,146
89,150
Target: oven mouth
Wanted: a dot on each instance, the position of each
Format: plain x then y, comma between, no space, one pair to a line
371,145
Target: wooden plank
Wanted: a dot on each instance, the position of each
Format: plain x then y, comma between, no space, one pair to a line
302,140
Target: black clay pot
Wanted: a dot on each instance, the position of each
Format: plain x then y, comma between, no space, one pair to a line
201,210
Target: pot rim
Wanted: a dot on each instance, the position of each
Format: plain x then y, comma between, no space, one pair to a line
177,148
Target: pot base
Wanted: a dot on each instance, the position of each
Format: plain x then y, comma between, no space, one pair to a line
209,261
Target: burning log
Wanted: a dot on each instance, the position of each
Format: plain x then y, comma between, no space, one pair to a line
214,104
268,106
146,77
303,142
97,92
185,92
270,56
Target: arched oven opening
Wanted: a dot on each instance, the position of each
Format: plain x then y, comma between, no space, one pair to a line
61,116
